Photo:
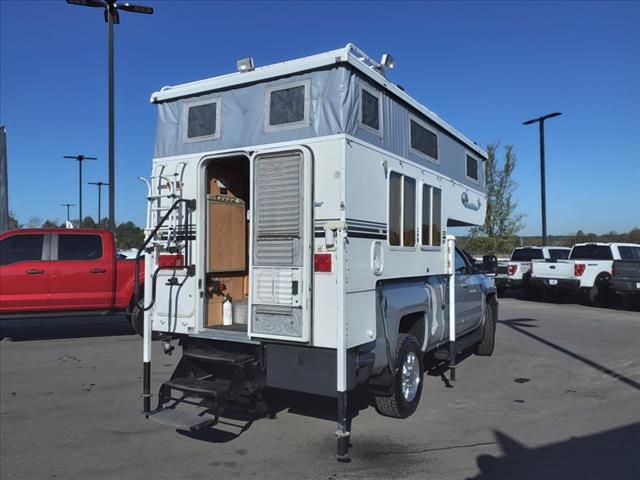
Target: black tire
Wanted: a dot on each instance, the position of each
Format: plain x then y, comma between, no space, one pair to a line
136,318
486,346
501,290
598,295
397,405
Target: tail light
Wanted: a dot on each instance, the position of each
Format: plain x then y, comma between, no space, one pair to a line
578,269
170,261
322,262
511,269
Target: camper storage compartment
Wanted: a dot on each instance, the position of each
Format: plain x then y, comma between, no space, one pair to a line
227,247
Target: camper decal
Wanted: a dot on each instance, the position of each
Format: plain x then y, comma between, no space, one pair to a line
470,206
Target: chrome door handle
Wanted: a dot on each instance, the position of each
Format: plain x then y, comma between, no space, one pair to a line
97,270
34,271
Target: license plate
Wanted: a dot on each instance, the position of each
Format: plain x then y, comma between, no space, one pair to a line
553,282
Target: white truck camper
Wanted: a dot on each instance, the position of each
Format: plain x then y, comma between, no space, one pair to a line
297,242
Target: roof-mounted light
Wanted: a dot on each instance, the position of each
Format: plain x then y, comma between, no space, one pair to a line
245,64
387,61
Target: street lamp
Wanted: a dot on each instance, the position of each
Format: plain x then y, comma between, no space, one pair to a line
99,185
111,17
80,159
540,121
68,205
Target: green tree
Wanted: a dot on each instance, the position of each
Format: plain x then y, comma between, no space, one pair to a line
13,221
48,223
129,235
88,222
498,234
34,222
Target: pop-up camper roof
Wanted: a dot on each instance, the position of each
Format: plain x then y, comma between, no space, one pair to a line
334,82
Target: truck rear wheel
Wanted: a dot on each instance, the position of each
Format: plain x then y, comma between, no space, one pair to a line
136,318
487,345
407,381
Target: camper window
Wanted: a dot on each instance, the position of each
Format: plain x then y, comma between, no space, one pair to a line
370,112
202,120
287,106
472,168
431,218
424,142
402,210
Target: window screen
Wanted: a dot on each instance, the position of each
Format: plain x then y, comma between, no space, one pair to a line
395,208
202,121
423,140
431,226
21,248
79,247
472,167
287,106
370,114
409,213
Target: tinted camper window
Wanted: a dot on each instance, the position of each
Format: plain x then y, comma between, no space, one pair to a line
472,168
370,110
423,140
203,121
287,106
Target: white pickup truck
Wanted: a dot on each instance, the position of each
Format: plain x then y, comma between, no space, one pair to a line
515,272
588,270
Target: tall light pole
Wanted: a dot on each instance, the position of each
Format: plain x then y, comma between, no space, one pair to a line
80,159
68,205
112,17
99,185
540,121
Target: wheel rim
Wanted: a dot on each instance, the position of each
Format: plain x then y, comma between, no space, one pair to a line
410,376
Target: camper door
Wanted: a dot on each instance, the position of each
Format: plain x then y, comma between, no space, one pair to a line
280,251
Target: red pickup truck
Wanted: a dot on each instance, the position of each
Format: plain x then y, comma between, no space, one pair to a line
66,270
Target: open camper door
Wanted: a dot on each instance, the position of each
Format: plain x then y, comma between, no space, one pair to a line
280,269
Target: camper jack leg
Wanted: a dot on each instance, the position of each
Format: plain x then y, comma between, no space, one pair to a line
343,435
452,361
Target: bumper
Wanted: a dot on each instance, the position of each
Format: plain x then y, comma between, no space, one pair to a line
626,286
508,282
569,284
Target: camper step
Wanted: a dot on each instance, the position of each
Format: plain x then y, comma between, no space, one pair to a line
461,345
183,418
208,388
219,356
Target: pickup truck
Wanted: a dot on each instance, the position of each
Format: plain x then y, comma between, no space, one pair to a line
53,270
625,273
515,273
588,271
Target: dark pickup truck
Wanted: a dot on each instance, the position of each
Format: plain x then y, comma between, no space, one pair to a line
625,276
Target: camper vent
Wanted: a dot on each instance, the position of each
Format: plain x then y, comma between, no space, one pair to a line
278,197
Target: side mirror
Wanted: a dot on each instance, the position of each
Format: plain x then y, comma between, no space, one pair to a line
490,263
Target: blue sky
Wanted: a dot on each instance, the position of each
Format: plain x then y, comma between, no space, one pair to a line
482,66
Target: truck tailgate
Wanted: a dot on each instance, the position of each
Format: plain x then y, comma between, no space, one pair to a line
553,269
627,270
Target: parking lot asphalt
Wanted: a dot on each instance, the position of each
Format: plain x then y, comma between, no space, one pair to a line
560,399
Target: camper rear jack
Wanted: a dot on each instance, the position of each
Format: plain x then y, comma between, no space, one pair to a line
343,434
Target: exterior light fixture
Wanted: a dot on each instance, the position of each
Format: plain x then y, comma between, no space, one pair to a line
387,61
245,64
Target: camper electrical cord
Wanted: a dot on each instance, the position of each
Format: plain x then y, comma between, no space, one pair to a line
383,308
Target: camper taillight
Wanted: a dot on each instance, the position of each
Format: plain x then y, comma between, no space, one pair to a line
170,261
322,262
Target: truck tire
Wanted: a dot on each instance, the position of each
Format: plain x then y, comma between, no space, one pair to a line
598,295
487,345
136,318
407,381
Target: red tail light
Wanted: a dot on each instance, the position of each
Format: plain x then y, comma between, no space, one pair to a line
578,269
170,261
511,269
322,262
